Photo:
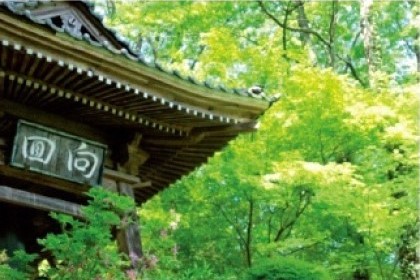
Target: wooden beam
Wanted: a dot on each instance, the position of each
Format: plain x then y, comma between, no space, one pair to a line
120,176
170,141
21,175
142,185
52,120
228,130
37,201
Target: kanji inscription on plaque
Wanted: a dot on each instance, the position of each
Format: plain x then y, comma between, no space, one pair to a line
55,153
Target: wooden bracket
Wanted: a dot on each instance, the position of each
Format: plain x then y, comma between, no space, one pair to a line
120,176
142,185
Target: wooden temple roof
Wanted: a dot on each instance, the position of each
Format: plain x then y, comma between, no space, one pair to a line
58,58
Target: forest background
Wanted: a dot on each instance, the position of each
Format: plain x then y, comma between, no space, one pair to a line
326,187
331,175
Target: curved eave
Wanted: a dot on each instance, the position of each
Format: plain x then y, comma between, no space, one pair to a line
128,72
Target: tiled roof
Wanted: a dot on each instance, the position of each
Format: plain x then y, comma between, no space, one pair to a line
101,83
25,8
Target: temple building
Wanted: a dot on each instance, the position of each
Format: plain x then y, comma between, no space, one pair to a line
79,108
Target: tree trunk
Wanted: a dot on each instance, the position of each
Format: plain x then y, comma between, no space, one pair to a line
365,6
302,21
417,43
331,32
369,42
249,233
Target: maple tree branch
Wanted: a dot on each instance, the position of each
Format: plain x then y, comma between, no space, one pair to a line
279,23
304,201
303,247
353,70
234,225
348,62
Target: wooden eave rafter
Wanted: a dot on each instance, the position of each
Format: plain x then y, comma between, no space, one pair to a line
110,90
53,92
122,72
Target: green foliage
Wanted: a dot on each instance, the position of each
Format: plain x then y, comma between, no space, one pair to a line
287,269
331,175
16,267
239,44
85,249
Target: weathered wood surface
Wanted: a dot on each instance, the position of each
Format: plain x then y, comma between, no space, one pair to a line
151,80
142,185
128,238
136,157
55,153
120,176
37,201
87,84
52,120
3,148
32,178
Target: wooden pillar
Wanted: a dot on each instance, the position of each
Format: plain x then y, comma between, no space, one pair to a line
128,238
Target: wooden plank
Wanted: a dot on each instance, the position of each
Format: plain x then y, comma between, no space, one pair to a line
26,63
57,154
34,67
56,121
37,201
2,77
38,179
80,82
170,141
2,156
86,100
120,176
66,78
142,185
128,238
3,56
52,73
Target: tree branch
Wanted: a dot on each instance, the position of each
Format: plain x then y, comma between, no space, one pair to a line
353,70
234,225
321,147
304,201
329,45
303,248
304,30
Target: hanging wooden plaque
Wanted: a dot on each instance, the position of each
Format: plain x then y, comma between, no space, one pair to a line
55,153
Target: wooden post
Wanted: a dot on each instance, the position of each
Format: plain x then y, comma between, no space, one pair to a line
128,238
